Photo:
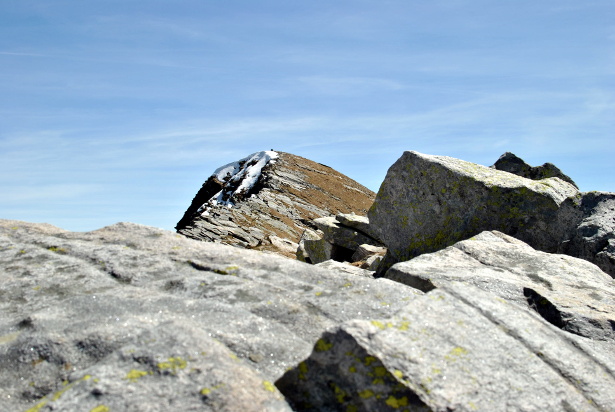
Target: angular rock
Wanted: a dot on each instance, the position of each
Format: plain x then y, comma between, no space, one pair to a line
364,251
511,163
594,239
345,268
428,202
313,248
168,367
456,348
269,193
570,293
361,223
74,304
343,236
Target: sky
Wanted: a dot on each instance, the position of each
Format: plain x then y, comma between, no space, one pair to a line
119,110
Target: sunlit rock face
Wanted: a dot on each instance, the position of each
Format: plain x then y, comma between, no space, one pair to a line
268,194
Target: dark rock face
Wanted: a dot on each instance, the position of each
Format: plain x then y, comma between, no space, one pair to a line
594,239
511,163
288,193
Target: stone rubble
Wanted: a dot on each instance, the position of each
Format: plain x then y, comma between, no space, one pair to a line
452,294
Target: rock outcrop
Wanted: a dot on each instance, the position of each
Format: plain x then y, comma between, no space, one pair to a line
594,238
568,292
268,194
427,203
456,348
511,163
477,316
130,317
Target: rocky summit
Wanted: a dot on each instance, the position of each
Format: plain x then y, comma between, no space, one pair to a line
266,200
466,288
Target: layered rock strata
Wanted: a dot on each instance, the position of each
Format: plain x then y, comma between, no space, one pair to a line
269,194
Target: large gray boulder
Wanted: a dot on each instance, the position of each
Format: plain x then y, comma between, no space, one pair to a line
570,293
457,348
429,202
134,307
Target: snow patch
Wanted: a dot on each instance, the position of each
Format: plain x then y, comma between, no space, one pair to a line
237,179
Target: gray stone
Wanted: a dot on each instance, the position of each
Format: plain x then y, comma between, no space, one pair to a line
570,293
511,163
373,262
345,268
361,223
594,239
428,202
456,348
73,304
167,367
313,248
343,236
365,251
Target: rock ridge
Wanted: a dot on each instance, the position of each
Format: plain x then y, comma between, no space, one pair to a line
288,194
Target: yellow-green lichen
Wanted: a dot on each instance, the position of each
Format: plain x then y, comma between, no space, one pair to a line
323,345
100,408
366,394
229,270
56,249
318,293
269,386
396,403
135,375
456,353
369,360
172,364
303,370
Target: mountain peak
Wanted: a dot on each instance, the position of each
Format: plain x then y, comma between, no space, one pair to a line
269,193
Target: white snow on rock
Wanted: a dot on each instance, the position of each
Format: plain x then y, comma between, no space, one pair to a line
238,178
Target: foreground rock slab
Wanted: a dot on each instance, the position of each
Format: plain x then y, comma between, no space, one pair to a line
455,348
122,303
570,293
429,202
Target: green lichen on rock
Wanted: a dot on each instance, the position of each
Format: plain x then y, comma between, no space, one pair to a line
427,203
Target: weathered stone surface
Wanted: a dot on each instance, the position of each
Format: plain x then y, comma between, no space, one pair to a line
511,163
594,239
341,235
456,348
570,293
361,223
364,251
429,202
345,268
290,192
168,367
313,248
75,303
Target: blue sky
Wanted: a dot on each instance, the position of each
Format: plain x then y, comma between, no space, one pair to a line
119,110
